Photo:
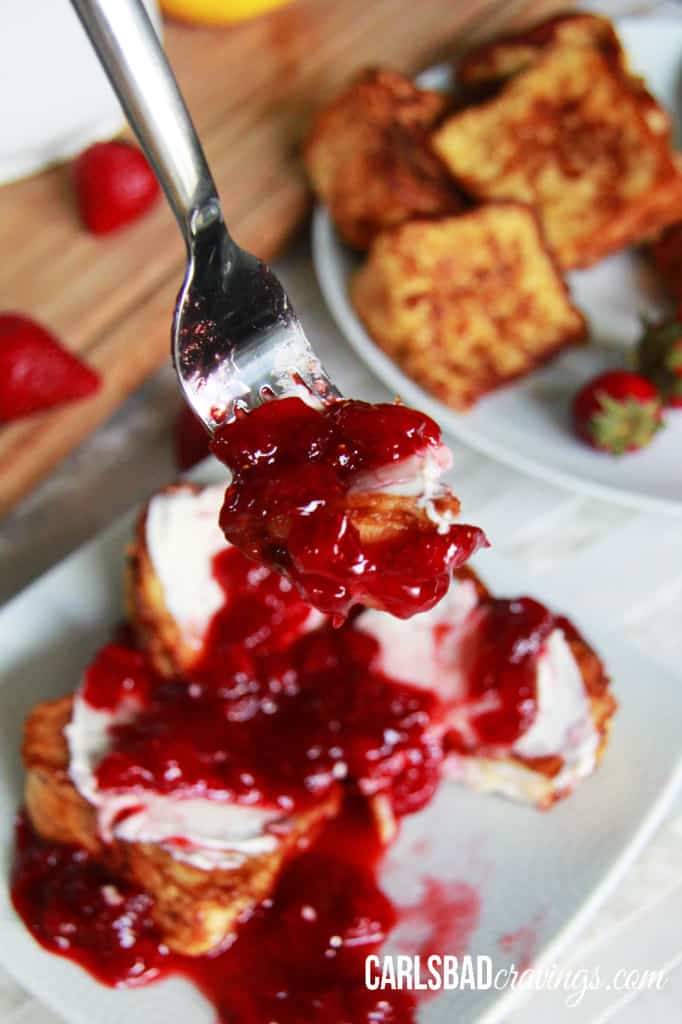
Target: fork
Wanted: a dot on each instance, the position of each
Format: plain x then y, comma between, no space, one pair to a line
236,340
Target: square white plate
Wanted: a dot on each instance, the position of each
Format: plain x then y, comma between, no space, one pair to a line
540,875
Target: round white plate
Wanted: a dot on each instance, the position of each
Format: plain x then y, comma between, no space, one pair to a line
55,99
542,875
527,424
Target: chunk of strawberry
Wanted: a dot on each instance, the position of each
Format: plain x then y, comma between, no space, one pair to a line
36,371
114,186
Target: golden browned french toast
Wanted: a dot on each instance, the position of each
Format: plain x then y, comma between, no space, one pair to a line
483,70
196,910
568,136
369,158
466,303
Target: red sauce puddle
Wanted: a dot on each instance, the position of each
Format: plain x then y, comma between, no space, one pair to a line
522,942
444,917
298,959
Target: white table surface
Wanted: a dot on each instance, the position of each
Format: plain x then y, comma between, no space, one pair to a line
625,564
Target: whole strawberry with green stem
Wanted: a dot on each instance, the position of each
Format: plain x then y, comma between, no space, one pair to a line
659,357
617,412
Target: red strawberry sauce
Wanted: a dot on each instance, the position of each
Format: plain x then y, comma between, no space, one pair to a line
288,504
299,959
271,715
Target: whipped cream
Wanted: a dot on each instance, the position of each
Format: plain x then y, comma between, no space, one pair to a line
183,537
418,476
563,724
423,651
206,833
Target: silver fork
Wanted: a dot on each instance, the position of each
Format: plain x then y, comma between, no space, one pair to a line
236,340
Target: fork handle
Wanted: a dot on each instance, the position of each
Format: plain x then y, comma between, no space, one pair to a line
132,56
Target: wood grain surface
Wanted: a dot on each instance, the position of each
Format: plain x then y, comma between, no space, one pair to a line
251,90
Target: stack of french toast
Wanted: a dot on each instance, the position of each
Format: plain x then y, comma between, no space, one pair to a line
471,208
206,856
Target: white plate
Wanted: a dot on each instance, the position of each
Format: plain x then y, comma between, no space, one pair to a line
55,99
527,424
547,871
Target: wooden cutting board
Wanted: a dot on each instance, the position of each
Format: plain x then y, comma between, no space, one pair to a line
251,90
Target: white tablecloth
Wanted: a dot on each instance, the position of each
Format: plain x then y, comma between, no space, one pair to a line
584,542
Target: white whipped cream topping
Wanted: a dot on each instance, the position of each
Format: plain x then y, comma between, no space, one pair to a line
423,651
418,476
206,833
183,537
563,715
563,724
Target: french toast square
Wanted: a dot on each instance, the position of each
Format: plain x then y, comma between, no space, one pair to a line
483,70
568,136
196,910
542,781
467,303
369,158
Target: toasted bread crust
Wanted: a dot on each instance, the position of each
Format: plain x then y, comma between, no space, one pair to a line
369,158
465,304
568,136
196,910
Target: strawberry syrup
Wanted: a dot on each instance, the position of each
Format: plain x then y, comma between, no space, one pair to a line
299,958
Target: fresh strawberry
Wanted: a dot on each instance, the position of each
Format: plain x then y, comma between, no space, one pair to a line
617,412
191,439
36,372
659,357
114,186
